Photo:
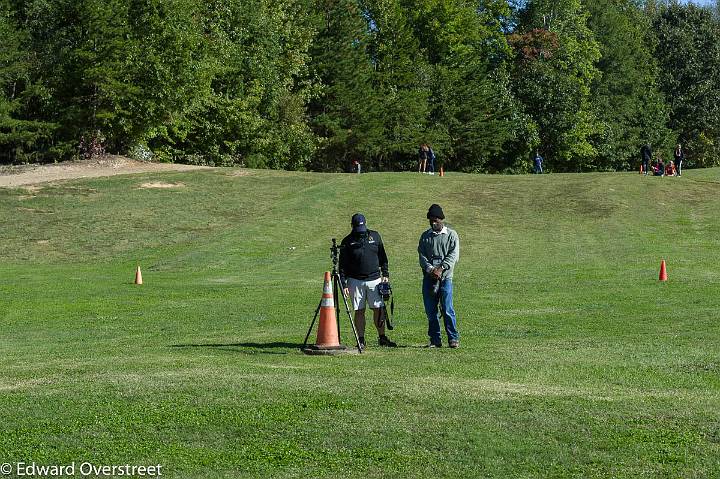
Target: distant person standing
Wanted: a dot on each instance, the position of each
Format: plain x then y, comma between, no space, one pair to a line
537,163
679,157
439,250
356,167
426,159
431,159
645,156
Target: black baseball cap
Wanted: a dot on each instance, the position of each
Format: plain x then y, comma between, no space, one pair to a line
358,223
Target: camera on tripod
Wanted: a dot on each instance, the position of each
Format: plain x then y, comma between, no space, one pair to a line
335,257
335,253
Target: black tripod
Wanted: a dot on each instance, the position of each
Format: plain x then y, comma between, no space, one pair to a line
337,292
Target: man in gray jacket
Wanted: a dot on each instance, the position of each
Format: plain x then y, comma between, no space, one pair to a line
439,250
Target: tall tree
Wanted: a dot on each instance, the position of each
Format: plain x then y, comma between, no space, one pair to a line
251,110
554,68
22,137
689,57
401,81
167,63
464,46
207,82
345,115
628,104
81,49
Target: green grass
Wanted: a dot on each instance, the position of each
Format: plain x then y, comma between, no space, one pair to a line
575,360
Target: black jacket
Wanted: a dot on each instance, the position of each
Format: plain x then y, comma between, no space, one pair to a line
362,256
646,153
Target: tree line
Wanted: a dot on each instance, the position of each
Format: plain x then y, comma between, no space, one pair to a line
316,84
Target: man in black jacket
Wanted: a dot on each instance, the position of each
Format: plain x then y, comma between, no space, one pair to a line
363,266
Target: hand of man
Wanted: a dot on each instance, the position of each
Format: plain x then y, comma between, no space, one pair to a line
346,292
437,272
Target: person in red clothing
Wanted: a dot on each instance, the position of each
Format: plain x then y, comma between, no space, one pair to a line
670,169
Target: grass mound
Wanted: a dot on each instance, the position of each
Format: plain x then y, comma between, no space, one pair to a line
575,360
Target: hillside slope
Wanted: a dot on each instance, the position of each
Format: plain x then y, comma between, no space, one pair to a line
575,360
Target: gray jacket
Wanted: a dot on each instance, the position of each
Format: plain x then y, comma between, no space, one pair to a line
439,249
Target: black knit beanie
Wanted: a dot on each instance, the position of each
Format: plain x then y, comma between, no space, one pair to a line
435,212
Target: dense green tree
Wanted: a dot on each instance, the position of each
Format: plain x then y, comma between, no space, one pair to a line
464,46
345,115
249,107
207,82
555,65
629,106
317,83
401,81
689,57
168,66
80,48
22,138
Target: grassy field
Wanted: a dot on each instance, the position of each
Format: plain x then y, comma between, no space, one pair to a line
575,360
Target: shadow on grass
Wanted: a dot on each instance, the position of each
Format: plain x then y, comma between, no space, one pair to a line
265,348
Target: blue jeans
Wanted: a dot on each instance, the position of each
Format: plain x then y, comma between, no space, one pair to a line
444,300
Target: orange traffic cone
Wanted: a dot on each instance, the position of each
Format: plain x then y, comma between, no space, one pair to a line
138,275
641,169
328,338
663,271
442,171
327,334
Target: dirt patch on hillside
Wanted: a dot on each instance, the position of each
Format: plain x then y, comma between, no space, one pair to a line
160,184
239,173
14,176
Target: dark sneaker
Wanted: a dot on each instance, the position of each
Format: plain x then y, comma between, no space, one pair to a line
385,341
434,345
454,344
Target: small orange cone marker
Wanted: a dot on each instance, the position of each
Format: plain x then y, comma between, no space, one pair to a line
641,169
442,171
663,271
138,275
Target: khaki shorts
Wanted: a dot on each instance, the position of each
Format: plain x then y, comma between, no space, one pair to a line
362,292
